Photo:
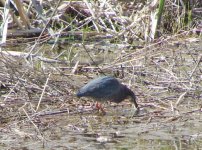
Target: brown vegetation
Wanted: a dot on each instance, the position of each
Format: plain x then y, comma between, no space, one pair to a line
49,50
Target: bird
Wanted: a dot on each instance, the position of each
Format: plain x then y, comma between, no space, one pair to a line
106,88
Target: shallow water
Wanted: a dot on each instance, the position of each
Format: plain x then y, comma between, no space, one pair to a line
115,130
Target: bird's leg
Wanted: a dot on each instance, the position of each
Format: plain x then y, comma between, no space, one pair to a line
99,107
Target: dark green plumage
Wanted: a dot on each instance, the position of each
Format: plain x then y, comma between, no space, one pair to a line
106,88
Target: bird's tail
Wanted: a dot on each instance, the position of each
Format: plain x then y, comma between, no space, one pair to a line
79,94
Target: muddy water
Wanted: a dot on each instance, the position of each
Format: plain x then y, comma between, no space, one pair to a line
115,130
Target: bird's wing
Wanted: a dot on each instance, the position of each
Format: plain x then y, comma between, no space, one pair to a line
104,89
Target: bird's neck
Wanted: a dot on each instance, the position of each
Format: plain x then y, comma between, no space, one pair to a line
130,93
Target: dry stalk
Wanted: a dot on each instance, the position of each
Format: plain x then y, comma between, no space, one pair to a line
179,100
196,66
93,14
43,92
35,126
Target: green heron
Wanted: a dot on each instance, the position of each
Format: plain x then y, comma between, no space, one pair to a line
106,88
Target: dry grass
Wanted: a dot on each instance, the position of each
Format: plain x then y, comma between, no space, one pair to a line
162,75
